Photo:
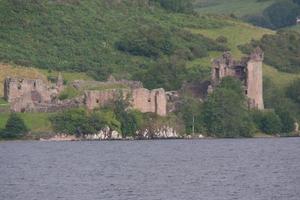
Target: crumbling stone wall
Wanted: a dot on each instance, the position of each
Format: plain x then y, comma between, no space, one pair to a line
154,101
15,88
26,95
248,70
95,99
142,99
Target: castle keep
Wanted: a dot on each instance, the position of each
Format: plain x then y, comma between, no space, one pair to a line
248,70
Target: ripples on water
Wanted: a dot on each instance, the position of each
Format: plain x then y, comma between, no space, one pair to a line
248,169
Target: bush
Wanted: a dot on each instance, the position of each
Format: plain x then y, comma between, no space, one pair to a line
222,39
183,6
171,74
278,15
267,121
149,41
15,127
293,91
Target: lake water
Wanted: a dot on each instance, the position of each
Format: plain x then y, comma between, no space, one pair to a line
247,169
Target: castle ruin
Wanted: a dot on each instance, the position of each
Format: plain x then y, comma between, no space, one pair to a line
25,95
248,70
142,99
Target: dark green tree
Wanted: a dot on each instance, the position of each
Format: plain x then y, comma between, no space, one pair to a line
191,113
267,121
73,122
225,113
184,6
124,116
293,91
14,128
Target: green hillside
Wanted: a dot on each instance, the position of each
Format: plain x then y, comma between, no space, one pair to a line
239,8
98,37
272,14
129,39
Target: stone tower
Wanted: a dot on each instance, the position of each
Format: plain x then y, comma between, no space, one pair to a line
254,81
248,70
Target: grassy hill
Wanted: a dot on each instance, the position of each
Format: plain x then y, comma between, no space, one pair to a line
82,39
83,35
239,8
273,14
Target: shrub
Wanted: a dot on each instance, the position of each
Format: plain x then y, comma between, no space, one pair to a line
267,121
183,6
171,74
222,39
73,122
15,127
149,41
293,91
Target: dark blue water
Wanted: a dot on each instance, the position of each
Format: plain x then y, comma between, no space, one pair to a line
248,169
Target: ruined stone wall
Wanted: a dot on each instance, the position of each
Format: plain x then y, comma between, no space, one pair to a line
26,95
142,99
95,99
15,88
154,101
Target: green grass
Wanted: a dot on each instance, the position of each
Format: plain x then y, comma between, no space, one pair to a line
240,33
237,33
295,28
67,76
239,8
36,122
81,37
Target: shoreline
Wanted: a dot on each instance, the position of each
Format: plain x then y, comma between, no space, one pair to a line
133,139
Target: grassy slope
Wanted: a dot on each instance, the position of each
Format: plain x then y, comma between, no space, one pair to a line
81,37
295,28
36,122
240,33
237,7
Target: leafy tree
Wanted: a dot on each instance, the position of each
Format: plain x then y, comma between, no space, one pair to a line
73,122
293,91
226,115
284,107
171,74
126,118
297,1
184,6
191,113
14,128
149,41
267,121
